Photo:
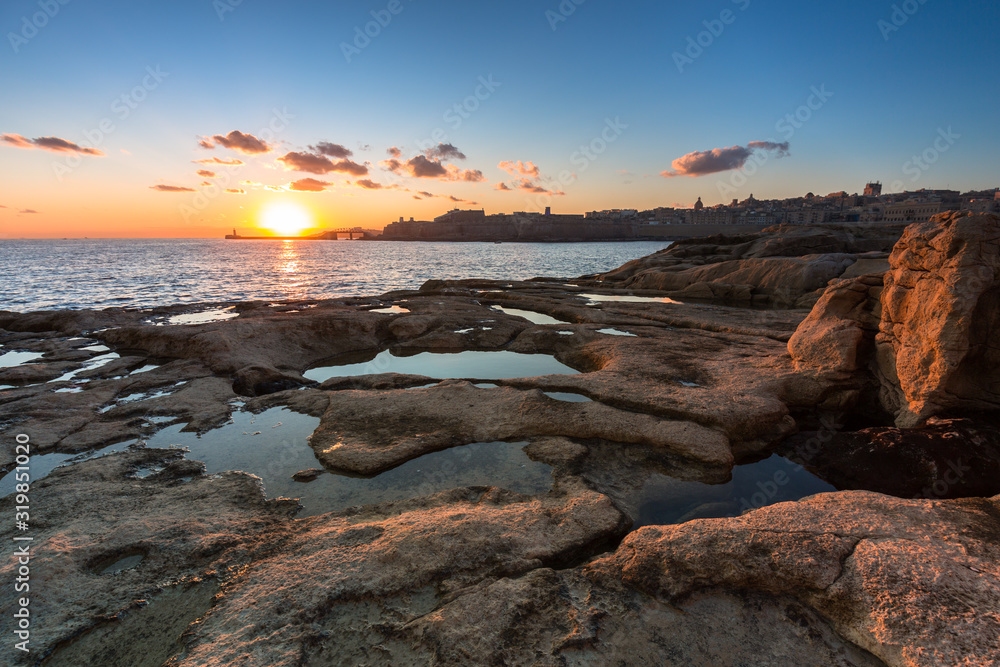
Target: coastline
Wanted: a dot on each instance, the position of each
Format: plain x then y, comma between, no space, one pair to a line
692,383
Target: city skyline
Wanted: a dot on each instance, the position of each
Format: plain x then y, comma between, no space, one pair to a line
136,120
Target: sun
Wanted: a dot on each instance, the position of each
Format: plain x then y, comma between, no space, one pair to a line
285,218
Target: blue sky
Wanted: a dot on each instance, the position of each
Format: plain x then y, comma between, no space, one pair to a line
890,90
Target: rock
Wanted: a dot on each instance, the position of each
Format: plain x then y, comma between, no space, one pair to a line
308,475
367,432
893,576
830,339
940,316
785,266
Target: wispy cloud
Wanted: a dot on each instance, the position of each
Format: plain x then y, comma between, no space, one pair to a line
236,191
369,184
54,144
239,142
27,210
529,181
700,163
170,188
235,162
205,173
309,185
394,152
526,169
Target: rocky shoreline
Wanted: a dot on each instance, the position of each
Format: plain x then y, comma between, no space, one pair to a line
863,354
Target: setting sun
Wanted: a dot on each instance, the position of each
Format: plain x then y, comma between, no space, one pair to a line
285,218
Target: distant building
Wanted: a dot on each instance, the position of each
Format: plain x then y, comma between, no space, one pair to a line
698,206
873,189
913,211
458,215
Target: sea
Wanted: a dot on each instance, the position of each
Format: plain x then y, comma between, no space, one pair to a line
142,273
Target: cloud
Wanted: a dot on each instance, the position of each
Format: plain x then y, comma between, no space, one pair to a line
444,152
424,167
309,185
54,144
394,152
170,188
427,194
527,169
275,188
502,187
236,191
531,186
205,143
27,210
241,143
205,184
205,173
332,150
320,164
215,160
421,167
701,163
368,184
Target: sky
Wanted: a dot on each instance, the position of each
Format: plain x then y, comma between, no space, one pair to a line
194,117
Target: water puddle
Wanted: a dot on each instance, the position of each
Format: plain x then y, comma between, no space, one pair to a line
499,365
12,359
43,464
144,369
616,332
530,315
664,500
121,564
273,445
96,348
89,365
200,317
391,310
594,299
568,397
142,396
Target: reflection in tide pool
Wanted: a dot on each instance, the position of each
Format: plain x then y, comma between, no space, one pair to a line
273,445
469,364
531,316
43,464
664,500
625,298
11,359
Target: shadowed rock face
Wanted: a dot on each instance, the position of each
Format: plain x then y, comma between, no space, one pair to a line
945,458
940,318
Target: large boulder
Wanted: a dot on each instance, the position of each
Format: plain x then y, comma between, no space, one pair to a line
940,313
